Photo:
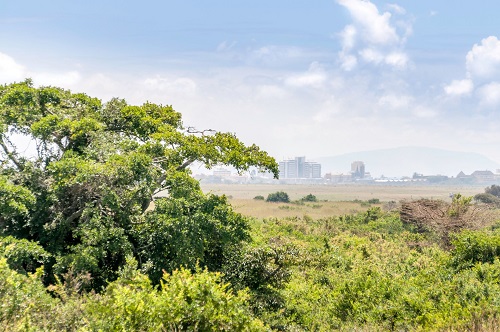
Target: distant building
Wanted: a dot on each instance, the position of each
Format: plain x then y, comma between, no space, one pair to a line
358,169
338,178
477,176
222,172
299,168
483,176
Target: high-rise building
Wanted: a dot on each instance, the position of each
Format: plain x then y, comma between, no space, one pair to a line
299,168
358,169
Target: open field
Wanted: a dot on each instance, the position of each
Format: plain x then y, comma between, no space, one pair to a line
332,200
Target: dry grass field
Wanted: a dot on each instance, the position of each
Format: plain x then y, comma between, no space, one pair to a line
332,200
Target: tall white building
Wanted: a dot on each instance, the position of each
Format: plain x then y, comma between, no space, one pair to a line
299,168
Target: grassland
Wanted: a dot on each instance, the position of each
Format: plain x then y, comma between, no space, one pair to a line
332,200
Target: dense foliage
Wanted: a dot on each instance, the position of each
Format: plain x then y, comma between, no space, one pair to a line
85,199
186,302
371,272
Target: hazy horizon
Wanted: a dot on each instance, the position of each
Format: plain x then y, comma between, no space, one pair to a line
296,78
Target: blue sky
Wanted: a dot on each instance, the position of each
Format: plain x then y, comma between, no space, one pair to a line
314,78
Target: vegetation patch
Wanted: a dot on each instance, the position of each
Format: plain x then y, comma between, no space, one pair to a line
279,196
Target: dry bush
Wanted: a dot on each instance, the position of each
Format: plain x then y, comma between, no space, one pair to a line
443,218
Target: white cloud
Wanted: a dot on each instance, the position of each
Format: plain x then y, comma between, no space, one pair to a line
371,55
315,77
348,62
483,60
10,70
348,37
482,64
375,27
378,40
489,94
396,59
459,87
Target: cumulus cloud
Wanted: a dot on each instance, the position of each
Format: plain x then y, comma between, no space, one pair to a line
10,70
483,60
459,87
482,64
373,36
375,27
489,94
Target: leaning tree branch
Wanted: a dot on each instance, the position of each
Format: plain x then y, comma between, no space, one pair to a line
11,155
186,164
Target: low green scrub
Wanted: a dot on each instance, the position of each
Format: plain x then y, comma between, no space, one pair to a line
186,301
364,271
370,272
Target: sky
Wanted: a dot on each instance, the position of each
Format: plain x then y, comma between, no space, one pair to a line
298,78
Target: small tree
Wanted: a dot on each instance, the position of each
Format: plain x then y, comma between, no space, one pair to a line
279,196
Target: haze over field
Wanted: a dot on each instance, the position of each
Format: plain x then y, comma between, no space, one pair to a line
295,77
404,161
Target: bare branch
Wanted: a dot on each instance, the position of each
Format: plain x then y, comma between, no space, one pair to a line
192,130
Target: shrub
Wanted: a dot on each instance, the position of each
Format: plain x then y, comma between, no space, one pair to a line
493,190
487,199
259,198
22,255
471,247
309,198
374,201
186,302
279,196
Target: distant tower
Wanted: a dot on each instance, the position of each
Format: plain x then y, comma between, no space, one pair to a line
358,169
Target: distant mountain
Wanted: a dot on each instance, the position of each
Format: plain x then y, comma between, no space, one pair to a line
405,161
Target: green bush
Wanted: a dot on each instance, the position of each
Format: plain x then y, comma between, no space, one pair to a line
259,198
487,199
309,198
493,190
186,302
22,255
471,247
279,196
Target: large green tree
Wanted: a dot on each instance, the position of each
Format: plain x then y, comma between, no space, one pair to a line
88,194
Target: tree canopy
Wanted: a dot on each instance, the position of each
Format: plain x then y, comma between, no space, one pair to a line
85,196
